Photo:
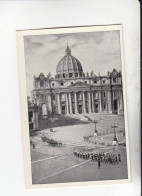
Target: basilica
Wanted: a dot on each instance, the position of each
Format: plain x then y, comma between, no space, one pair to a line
73,92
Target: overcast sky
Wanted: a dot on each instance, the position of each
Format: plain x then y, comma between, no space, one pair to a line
97,51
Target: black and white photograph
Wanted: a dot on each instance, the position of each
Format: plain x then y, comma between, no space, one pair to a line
73,105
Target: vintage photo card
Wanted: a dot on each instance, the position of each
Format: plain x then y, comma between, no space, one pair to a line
73,106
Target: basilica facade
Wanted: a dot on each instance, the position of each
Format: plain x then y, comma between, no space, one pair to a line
72,91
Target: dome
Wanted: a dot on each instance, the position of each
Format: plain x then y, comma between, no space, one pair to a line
69,64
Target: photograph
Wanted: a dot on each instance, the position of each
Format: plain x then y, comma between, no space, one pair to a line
73,106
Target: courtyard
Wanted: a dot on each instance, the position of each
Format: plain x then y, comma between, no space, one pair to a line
53,164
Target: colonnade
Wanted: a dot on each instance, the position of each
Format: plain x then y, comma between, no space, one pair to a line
88,103
72,103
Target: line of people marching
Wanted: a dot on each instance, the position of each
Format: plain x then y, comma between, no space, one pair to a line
99,157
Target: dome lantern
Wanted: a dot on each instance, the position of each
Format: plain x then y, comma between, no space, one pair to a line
67,51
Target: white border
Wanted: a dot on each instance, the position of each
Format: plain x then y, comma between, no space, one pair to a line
24,109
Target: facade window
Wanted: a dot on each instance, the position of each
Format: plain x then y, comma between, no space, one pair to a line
86,82
104,94
70,75
76,74
62,84
52,84
80,96
95,81
115,93
104,81
41,97
96,95
63,97
71,82
114,80
53,97
63,75
41,84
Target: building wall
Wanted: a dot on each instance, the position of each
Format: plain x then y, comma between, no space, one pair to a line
87,94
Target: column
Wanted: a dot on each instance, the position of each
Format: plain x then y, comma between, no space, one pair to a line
89,102
70,103
84,104
100,98
50,103
67,104
121,101
59,103
40,100
118,104
109,102
92,95
34,121
76,105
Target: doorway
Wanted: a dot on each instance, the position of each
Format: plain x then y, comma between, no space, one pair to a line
63,109
96,108
115,106
80,109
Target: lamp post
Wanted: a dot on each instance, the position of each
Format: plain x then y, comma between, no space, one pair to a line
96,132
114,126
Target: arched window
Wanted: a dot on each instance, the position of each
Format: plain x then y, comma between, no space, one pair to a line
104,81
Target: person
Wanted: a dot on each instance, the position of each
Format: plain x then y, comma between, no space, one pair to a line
116,159
92,157
99,163
119,157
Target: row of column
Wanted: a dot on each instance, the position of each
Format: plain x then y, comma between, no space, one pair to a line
91,105
69,108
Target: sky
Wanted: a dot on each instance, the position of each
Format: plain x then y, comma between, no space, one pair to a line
97,51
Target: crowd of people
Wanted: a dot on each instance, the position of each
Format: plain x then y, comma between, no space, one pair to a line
100,157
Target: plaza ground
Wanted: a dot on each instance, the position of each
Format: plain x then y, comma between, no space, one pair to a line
58,165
